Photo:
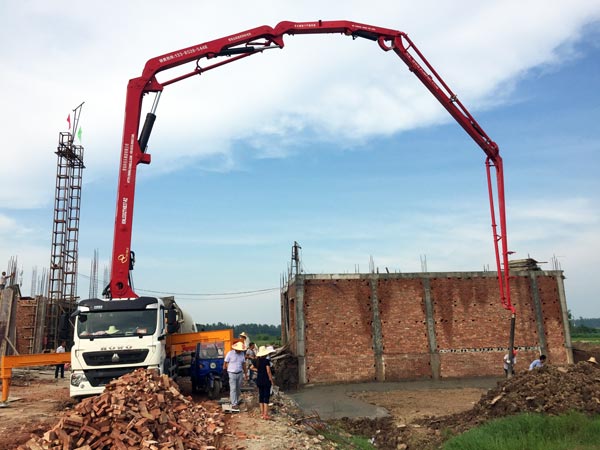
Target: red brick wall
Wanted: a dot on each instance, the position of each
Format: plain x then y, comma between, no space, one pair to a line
26,311
471,328
468,318
403,328
338,336
555,332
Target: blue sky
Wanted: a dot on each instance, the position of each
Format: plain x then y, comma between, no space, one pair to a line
329,142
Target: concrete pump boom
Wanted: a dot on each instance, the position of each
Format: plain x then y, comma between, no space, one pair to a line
253,41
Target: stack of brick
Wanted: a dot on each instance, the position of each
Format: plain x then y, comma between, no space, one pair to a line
140,410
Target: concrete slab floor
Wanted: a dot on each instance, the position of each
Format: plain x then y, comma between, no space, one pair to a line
333,401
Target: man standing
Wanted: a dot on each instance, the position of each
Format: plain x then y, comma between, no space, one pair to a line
251,360
507,364
62,348
245,339
4,279
235,365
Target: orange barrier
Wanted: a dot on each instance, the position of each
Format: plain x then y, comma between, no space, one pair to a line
33,360
186,342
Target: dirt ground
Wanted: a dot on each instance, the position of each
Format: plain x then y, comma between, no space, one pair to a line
418,417
35,400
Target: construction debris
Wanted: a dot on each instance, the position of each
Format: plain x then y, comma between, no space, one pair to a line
524,264
285,368
549,390
140,410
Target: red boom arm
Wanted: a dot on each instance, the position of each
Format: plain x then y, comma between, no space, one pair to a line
247,43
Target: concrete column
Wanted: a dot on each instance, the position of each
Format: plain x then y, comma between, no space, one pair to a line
434,356
376,330
539,316
300,327
565,316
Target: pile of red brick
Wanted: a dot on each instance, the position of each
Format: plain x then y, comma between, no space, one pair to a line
140,410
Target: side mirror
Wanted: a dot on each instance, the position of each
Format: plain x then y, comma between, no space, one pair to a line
172,323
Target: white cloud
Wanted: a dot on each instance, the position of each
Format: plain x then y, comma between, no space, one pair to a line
57,55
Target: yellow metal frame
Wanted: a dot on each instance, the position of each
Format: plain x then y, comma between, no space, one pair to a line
33,360
186,342
176,343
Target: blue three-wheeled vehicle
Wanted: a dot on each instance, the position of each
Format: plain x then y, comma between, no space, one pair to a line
206,371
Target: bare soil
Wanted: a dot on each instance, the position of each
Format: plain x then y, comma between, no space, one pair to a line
35,399
419,418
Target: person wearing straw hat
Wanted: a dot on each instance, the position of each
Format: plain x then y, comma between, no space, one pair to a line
235,365
112,330
245,339
264,379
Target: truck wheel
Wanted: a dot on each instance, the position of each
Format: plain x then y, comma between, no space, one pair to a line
194,385
215,391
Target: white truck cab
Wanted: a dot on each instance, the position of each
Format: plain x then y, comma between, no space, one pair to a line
114,337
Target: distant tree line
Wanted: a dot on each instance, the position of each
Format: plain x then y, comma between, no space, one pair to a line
588,323
254,330
583,327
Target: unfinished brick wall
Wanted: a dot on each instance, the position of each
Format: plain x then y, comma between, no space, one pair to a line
26,314
341,307
403,328
365,327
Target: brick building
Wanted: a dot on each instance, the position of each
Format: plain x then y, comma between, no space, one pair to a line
22,322
389,327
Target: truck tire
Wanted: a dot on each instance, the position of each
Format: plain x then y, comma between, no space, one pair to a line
215,391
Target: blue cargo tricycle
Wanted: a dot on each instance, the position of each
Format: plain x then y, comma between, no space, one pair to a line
206,371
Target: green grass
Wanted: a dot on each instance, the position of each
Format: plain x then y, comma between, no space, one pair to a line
572,431
593,338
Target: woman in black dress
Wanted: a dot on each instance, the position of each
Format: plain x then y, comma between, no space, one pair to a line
264,379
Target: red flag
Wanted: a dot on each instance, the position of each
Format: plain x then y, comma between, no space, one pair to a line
69,120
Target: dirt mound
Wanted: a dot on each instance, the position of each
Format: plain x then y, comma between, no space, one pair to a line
549,390
139,410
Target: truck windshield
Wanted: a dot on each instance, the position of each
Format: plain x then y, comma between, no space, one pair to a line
211,350
104,324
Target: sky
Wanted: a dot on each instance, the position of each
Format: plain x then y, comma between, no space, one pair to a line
329,142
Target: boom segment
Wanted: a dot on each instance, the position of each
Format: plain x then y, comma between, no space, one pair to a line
254,41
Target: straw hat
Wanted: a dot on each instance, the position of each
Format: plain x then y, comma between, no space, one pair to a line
243,333
264,351
112,330
239,346
592,360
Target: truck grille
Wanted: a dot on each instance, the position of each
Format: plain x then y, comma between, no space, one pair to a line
113,357
101,377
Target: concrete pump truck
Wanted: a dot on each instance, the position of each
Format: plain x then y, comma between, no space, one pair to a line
123,331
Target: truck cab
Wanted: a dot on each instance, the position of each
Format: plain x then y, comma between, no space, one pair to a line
115,337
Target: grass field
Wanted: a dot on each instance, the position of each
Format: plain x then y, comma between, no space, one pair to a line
532,432
592,338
